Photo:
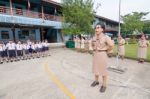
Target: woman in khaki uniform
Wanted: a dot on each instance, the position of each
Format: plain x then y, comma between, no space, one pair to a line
78,43
121,48
90,44
142,50
110,53
101,43
86,44
82,43
75,42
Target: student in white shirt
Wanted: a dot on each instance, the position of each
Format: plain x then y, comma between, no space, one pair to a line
39,49
19,48
5,53
34,47
44,48
47,48
25,51
1,53
11,46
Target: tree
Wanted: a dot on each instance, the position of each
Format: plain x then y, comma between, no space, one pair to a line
146,28
77,16
133,22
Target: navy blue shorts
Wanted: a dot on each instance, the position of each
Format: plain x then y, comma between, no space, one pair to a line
30,50
5,54
46,48
12,53
1,53
26,51
19,53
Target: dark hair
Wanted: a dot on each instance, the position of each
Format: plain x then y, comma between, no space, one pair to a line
102,26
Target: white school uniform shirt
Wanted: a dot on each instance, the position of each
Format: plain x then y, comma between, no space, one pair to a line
28,47
29,43
33,46
25,46
46,44
19,46
40,45
11,46
36,46
43,44
4,47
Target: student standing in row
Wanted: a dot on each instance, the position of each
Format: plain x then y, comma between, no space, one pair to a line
1,53
142,48
11,46
19,48
121,47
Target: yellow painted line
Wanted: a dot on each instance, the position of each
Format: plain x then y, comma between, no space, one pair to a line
58,82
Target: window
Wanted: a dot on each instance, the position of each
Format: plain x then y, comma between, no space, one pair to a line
5,34
20,35
23,34
19,11
32,35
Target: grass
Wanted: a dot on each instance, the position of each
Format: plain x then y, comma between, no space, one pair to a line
131,51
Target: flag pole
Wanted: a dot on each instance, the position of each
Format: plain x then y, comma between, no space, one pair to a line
117,68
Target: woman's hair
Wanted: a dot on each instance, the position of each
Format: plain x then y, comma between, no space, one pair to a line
102,26
142,35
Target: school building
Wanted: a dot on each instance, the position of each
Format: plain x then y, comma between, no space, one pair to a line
30,19
37,20
110,25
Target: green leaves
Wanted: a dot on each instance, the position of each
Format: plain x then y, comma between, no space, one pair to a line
133,21
78,16
146,28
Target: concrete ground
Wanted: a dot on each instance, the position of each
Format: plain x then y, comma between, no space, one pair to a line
67,74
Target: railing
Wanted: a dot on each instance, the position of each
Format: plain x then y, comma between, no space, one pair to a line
28,13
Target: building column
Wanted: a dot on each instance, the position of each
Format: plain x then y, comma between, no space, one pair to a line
29,5
11,11
42,34
14,36
62,36
43,13
55,12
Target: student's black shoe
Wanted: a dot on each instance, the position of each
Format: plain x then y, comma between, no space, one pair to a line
94,83
102,89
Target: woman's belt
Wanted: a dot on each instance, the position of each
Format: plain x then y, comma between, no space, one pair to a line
143,46
121,44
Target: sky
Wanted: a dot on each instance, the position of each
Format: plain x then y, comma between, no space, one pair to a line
110,8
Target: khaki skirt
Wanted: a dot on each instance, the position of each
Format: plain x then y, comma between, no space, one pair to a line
121,50
142,52
100,63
